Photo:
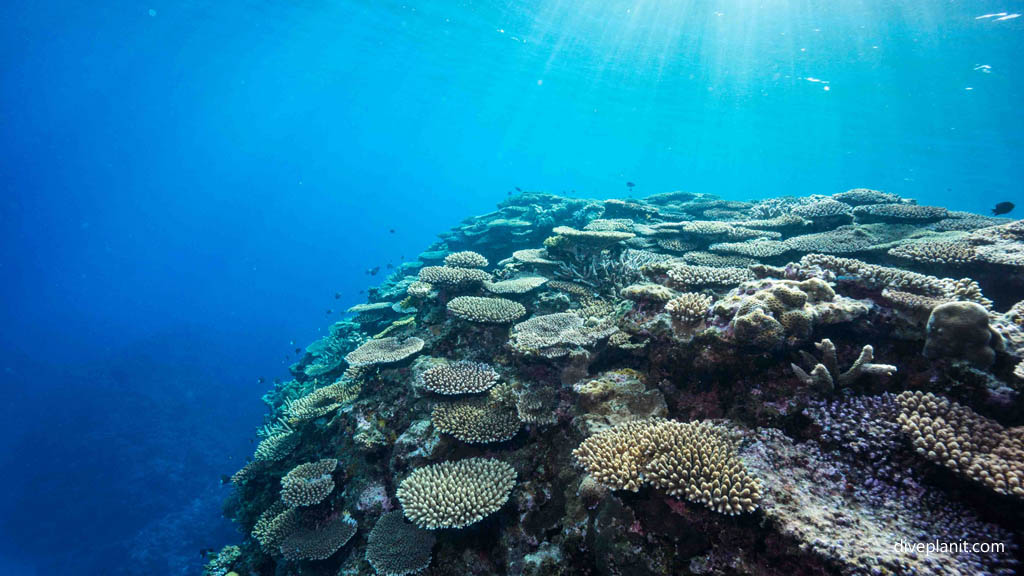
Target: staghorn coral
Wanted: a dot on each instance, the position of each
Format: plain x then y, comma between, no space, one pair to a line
477,420
308,484
462,377
396,547
825,374
486,310
960,330
555,335
520,285
689,307
322,401
451,277
694,460
969,444
456,494
388,350
465,259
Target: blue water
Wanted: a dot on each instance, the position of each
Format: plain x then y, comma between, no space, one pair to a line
186,187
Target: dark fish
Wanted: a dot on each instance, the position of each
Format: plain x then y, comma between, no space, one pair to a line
330,311
518,189
390,266
225,479
362,291
630,184
1002,208
298,350
337,295
260,380
373,271
205,551
392,230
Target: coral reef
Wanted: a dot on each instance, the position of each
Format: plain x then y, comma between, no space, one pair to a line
628,387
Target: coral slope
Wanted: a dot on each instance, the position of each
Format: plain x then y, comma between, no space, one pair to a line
681,384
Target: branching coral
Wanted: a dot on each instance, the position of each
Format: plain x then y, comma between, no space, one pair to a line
322,401
555,335
476,421
825,375
308,484
384,351
689,307
486,310
694,460
459,378
456,494
969,444
396,547
465,259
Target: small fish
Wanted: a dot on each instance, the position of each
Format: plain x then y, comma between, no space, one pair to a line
260,380
362,291
205,551
1003,208
392,231
518,189
630,185
373,271
390,266
330,311
337,295
298,350
225,479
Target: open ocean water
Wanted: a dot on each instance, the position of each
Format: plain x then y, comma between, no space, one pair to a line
192,192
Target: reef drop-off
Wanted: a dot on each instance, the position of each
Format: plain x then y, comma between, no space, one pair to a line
678,384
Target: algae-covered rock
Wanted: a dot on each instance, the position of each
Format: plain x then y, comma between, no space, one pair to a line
960,331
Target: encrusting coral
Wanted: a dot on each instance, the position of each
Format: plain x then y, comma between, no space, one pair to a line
456,494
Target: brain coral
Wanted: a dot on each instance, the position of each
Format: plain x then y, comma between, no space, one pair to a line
486,310
396,547
694,460
459,378
466,259
452,277
384,351
955,437
456,494
308,484
476,421
960,330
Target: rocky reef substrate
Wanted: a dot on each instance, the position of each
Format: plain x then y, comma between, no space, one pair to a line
674,385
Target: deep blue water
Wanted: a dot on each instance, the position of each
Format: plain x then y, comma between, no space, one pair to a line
187,185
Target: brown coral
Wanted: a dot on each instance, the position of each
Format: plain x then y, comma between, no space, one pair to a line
694,460
959,439
476,421
459,378
308,484
384,351
486,310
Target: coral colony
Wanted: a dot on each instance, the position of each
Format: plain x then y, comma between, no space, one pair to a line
675,385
